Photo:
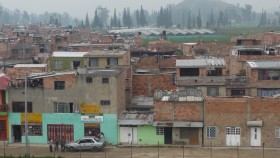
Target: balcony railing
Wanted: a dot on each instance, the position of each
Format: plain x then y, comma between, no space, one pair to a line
201,80
178,95
4,108
237,81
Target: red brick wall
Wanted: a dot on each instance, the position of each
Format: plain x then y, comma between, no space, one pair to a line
177,111
140,83
149,62
70,81
227,112
271,38
235,62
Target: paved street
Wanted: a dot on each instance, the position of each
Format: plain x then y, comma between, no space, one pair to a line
147,152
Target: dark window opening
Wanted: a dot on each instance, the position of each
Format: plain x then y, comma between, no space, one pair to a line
105,102
189,72
105,80
215,72
20,107
237,92
59,85
250,52
76,64
71,107
88,80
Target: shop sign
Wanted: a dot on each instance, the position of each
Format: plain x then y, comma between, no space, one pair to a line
90,109
32,117
92,119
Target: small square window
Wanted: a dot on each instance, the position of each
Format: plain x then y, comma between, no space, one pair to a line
105,80
211,132
59,85
88,80
105,102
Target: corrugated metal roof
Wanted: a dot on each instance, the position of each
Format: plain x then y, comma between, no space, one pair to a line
135,118
69,54
142,101
196,63
29,65
264,64
106,53
157,31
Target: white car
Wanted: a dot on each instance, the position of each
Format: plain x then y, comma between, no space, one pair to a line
86,143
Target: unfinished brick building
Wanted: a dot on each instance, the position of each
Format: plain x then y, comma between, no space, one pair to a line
242,122
180,114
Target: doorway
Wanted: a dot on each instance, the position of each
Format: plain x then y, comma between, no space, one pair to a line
167,135
16,133
3,130
255,136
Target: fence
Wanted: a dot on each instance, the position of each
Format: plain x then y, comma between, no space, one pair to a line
157,151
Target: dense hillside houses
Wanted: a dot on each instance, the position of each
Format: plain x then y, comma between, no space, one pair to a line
76,82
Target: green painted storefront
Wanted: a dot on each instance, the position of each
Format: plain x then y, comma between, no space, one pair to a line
147,135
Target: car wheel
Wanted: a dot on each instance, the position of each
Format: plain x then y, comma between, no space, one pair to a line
93,149
71,148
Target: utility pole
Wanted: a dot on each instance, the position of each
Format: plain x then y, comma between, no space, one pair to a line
26,118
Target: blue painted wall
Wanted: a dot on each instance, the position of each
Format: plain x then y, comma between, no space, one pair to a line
108,126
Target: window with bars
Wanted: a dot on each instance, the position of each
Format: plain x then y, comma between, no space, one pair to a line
277,132
160,130
233,130
211,132
64,107
20,107
33,129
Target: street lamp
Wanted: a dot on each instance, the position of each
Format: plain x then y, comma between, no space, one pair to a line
25,112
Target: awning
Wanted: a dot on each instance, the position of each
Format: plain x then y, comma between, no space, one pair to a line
178,124
254,123
134,122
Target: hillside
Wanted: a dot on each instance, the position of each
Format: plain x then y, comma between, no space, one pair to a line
233,12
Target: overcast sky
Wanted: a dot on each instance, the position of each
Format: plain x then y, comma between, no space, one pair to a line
79,8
